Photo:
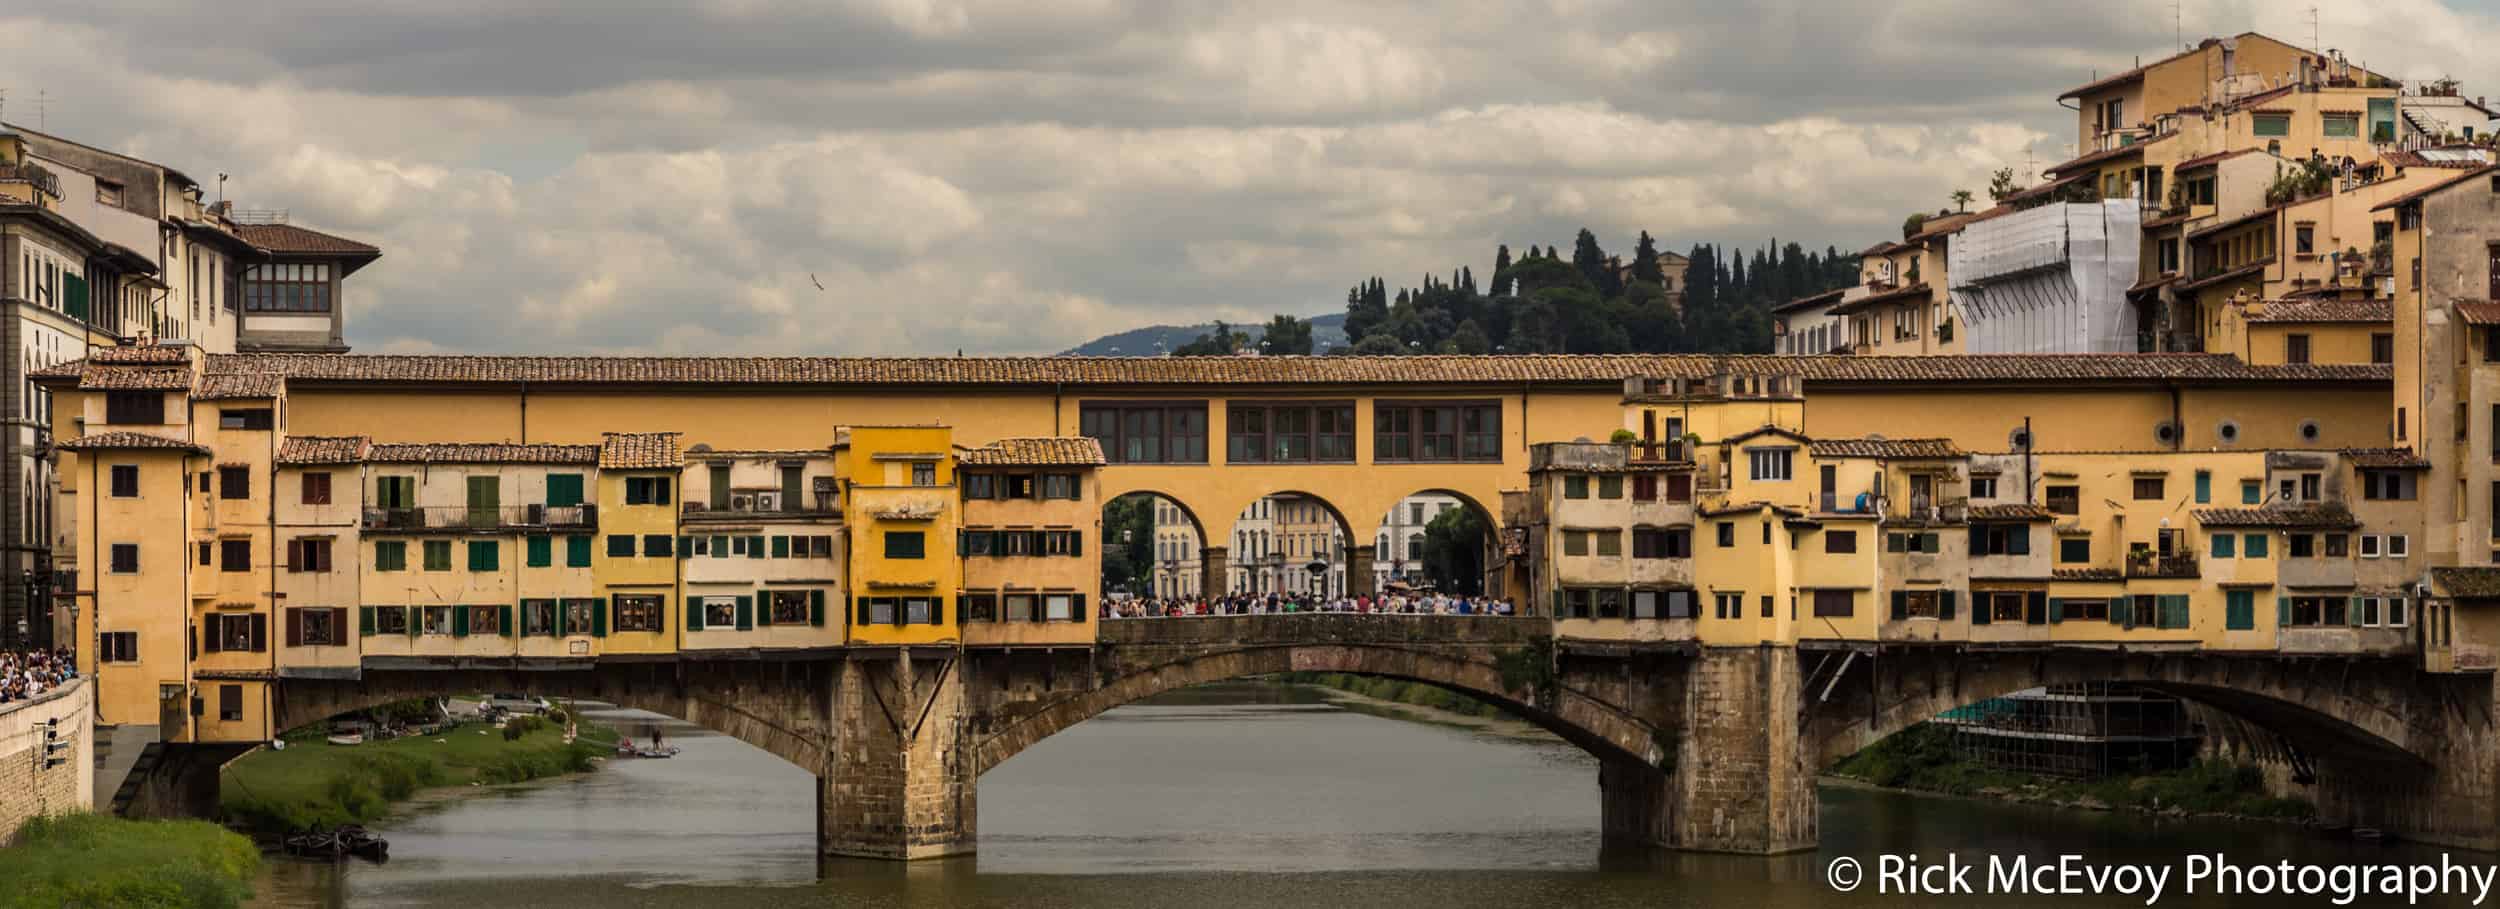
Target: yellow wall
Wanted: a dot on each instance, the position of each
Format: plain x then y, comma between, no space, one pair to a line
882,501
640,573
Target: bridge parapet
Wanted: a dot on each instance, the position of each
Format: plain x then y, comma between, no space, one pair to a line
1326,628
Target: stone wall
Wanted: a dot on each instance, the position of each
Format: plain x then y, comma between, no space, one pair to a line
27,788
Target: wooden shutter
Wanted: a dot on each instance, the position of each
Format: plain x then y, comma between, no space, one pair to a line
937,610
208,636
764,610
1981,610
2282,612
459,621
1076,542
1900,605
2352,612
294,627
599,617
746,612
865,613
505,613
2035,607
2174,610
413,616
816,608
260,632
694,615
364,621
685,547
755,547
1080,608
2057,611
1944,603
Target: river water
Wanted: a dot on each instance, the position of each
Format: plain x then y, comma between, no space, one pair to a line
1235,795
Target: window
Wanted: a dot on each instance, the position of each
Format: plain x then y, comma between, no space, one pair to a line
125,558
2224,545
2388,485
1998,605
1436,431
395,492
1770,464
2239,610
1060,486
2370,545
1575,486
1289,433
577,551
2299,546
2064,500
2337,546
389,619
1662,543
1833,604
2074,550
2088,609
245,418
786,607
316,489
118,647
646,490
1983,487
1610,487
125,481
2254,546
905,544
230,703
2296,348
1575,542
2341,126
234,555
485,555
1609,542
1727,534
2382,347
2270,125
390,555
1061,543
640,612
539,551
1728,605
1645,488
286,288
438,555
1840,541
981,486
2147,489
1171,433
308,554
655,545
234,482
2304,239
924,473
2396,545
2314,612
134,407
1988,539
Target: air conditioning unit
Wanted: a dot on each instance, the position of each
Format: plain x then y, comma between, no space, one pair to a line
742,501
768,501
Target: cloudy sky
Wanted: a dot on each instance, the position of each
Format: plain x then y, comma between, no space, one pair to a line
1004,176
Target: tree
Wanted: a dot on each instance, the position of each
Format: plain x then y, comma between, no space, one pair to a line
1961,199
1286,335
1645,261
1454,544
1378,345
1594,266
1128,544
1470,339
2001,184
1221,342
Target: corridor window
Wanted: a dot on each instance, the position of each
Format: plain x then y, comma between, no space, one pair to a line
286,288
1770,464
538,617
1158,433
2087,609
485,620
640,612
2311,612
1289,433
2000,606
1436,431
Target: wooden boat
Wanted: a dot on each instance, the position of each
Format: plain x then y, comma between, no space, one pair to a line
347,738
333,844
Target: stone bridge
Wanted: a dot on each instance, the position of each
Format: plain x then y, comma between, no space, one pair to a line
1703,748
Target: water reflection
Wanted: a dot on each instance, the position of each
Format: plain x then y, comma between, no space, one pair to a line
1236,795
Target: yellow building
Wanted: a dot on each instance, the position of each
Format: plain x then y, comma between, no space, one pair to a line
458,542
1032,532
901,507
637,561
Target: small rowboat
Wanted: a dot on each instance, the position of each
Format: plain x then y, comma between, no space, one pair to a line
348,738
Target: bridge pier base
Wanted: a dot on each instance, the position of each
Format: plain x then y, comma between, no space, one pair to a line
899,786
1741,783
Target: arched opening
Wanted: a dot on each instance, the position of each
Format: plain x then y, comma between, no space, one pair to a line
1292,545
1153,547
1441,540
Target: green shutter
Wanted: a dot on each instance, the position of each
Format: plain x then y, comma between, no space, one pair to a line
75,302
1979,610
577,551
2125,614
364,620
542,551
746,612
755,546
413,616
2282,612
1900,605
764,610
1076,542
2035,607
937,610
1081,614
816,608
720,547
505,613
2057,611
484,555
459,621
2174,610
781,547
2255,546
694,615
599,617
685,547
2204,487
1944,600
2352,612
564,490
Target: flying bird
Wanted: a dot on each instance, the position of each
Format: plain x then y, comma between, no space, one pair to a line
811,279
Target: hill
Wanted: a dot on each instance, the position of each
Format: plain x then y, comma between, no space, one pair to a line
1327,331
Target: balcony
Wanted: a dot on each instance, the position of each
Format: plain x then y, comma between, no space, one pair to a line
1671,451
45,183
456,518
2149,564
746,508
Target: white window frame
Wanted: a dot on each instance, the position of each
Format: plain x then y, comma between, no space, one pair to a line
1758,459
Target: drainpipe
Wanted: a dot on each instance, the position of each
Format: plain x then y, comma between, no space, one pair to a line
525,411
2178,429
2029,443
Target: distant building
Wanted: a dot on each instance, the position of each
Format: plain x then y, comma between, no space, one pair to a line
1398,549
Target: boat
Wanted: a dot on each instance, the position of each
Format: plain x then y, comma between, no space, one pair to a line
333,844
347,738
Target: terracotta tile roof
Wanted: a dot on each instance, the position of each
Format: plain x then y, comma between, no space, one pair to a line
640,451
2478,312
1917,291
2107,154
153,354
323,450
1038,451
1749,508
2262,214
2386,459
223,386
2150,284
2457,157
1939,225
2168,220
480,453
2014,512
2418,194
2328,516
2086,574
2234,274
288,238
702,452
2044,188
2284,311
1829,296
2210,160
1885,448
135,378
2476,581
125,439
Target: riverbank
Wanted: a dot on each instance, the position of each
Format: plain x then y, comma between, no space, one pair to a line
96,860
313,783
1921,761
1417,702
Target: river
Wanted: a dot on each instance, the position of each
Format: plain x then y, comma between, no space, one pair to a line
1234,795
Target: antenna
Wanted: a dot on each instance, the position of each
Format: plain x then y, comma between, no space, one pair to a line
2178,23
2315,45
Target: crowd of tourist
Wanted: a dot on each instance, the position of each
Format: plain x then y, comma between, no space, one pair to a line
26,674
1279,603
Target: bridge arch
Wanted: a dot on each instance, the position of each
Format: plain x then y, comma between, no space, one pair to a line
1496,672
1395,536
1271,546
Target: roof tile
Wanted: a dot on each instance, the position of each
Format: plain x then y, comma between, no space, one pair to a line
2289,311
126,439
1885,448
2328,516
323,450
1037,451
481,453
288,238
640,451
223,386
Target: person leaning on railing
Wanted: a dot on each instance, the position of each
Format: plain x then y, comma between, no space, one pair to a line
28,674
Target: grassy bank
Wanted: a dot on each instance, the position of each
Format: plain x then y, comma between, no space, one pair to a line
1921,758
314,783
91,861
1398,692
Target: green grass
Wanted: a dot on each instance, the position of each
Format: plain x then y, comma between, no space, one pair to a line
90,861
314,783
1921,758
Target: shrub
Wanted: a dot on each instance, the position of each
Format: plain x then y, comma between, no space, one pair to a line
89,860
